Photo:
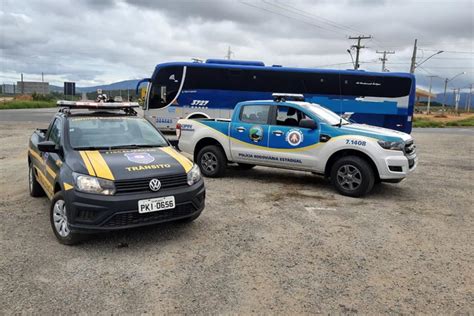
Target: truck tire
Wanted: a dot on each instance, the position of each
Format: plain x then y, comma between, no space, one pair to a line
212,161
59,222
244,166
33,185
352,176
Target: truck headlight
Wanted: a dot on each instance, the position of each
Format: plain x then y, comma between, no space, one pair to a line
94,185
194,175
391,145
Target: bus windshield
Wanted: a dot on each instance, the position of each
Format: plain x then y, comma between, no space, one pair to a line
113,132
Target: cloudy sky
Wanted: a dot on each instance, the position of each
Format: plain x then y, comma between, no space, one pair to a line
102,41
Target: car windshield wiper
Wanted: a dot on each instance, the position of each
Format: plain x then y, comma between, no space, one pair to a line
133,146
91,148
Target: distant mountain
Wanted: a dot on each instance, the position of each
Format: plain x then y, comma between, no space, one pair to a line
121,85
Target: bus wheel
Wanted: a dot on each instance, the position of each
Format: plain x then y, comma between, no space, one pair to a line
352,176
212,161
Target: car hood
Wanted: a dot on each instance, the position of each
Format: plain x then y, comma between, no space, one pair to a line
131,164
376,132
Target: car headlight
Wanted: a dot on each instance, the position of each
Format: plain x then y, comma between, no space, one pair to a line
95,185
391,145
194,175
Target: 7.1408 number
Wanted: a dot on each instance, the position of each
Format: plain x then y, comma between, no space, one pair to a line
356,142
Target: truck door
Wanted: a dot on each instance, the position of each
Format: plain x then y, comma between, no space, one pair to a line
249,133
294,145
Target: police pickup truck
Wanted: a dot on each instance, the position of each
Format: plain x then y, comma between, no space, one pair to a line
104,169
289,133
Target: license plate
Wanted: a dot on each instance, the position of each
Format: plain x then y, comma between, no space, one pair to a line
155,205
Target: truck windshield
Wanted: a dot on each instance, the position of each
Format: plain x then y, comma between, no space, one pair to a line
113,132
325,115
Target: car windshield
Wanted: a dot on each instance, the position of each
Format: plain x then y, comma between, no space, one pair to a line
325,115
113,132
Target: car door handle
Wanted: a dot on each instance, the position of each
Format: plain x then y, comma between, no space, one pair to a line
241,129
277,133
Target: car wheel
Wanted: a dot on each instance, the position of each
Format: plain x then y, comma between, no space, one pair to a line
59,221
33,185
212,161
244,166
352,176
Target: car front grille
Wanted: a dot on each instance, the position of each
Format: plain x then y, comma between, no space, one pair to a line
142,185
135,218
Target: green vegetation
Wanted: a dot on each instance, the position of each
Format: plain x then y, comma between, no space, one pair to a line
423,122
26,104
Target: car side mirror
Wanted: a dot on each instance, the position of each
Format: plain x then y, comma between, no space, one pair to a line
308,123
48,147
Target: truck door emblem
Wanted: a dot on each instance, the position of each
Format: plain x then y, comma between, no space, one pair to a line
256,133
294,137
140,157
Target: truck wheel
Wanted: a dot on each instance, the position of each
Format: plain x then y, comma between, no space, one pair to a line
352,176
59,221
245,166
212,161
33,185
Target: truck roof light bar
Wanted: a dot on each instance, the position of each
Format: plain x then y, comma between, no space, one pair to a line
282,97
97,105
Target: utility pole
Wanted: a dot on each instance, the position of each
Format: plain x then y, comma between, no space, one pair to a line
455,99
384,58
413,58
229,54
469,97
358,47
22,85
42,77
429,95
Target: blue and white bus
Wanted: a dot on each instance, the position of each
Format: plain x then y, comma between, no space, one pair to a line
212,89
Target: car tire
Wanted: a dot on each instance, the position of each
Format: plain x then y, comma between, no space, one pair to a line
33,185
212,161
244,166
352,176
59,222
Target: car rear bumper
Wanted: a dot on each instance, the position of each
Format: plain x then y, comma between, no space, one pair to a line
89,213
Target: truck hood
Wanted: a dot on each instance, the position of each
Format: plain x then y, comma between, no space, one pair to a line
131,163
376,132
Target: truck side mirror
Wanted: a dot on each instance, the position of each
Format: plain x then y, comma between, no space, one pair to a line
48,147
308,123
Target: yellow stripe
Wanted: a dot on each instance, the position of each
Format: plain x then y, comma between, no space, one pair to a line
101,168
187,165
67,186
51,172
35,155
47,186
87,163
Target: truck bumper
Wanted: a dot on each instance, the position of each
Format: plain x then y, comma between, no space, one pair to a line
397,167
90,213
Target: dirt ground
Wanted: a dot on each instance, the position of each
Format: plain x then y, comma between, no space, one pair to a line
269,241
448,117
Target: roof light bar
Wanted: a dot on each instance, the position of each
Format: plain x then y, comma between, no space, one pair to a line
282,97
96,105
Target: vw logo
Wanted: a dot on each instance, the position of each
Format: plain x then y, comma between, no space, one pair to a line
154,184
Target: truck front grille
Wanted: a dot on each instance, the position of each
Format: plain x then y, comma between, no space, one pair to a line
142,185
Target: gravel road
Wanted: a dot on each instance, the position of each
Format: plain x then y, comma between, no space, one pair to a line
269,241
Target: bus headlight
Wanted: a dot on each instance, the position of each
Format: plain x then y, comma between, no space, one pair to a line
94,185
194,175
391,145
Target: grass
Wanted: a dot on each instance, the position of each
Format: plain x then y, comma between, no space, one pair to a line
425,122
26,104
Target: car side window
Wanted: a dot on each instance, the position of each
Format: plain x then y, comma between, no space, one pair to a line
257,114
289,116
55,132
